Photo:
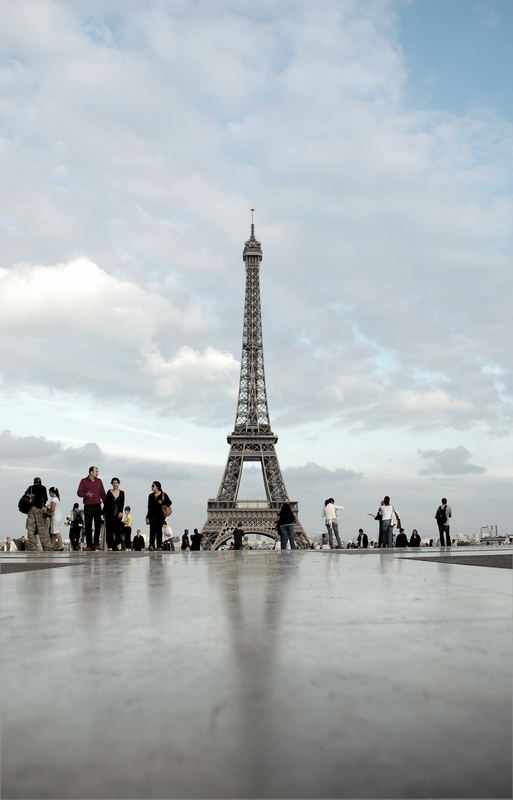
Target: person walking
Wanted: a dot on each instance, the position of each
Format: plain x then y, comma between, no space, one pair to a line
76,523
158,504
329,513
113,506
442,516
92,491
38,537
54,511
286,522
186,544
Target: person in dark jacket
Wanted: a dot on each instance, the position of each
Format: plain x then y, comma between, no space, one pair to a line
186,544
155,517
414,538
138,541
401,540
285,526
76,523
363,539
238,536
196,540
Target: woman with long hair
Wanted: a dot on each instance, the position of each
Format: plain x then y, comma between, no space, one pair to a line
55,518
113,506
158,502
387,518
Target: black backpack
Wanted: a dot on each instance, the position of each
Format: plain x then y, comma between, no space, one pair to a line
26,501
441,514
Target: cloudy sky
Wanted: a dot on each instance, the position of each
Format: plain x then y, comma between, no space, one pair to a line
374,139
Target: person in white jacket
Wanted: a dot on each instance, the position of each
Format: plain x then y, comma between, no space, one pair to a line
329,513
10,546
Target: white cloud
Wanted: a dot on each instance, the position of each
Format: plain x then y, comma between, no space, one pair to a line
387,229
450,461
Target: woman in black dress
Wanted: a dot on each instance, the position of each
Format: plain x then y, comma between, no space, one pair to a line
113,506
155,516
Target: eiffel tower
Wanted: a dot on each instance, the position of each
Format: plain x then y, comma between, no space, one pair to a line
252,438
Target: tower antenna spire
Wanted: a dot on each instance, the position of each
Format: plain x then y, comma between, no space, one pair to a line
252,223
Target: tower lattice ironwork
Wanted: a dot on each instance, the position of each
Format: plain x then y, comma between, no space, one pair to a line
252,438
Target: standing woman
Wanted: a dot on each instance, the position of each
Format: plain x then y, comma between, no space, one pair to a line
387,519
286,522
55,518
155,517
113,505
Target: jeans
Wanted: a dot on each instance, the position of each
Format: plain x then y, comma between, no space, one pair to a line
92,513
443,530
332,526
287,534
386,532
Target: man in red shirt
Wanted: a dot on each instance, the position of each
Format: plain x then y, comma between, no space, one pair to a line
91,489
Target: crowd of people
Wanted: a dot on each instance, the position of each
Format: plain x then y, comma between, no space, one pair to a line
105,523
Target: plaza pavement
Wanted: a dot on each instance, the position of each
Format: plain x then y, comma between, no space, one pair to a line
351,674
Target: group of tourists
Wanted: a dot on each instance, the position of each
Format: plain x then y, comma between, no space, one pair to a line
107,507
45,520
389,524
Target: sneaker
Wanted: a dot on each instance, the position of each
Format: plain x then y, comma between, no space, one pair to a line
151,547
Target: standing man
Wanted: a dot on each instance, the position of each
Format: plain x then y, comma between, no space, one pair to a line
238,535
196,540
329,513
37,518
91,489
442,516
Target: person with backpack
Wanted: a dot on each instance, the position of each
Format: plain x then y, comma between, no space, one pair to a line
33,504
442,516
76,523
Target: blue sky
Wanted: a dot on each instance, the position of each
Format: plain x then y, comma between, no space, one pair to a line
458,54
374,138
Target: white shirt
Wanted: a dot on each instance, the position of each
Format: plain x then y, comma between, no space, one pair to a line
330,511
10,547
388,512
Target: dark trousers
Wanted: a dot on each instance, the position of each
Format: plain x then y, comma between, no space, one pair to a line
74,537
443,530
156,532
93,513
127,530
113,527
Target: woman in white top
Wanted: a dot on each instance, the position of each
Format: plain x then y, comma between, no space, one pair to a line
54,507
387,520
329,513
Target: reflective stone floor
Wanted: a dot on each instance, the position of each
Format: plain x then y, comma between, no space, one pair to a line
261,674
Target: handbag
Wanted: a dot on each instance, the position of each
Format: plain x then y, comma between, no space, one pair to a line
379,516
166,510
